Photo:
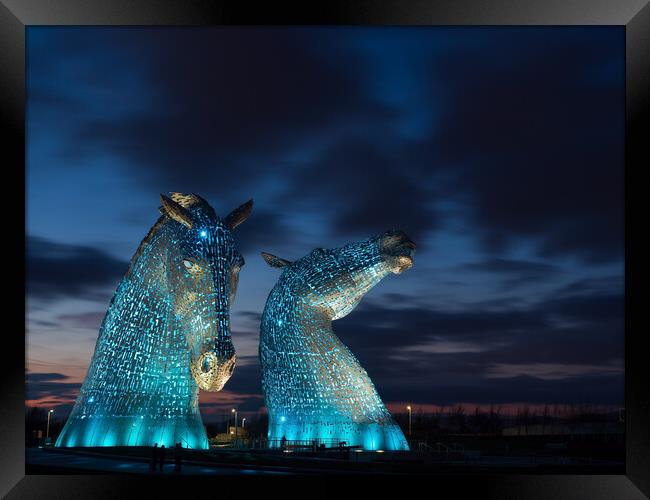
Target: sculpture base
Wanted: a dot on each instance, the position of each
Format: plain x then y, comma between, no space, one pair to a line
368,436
133,431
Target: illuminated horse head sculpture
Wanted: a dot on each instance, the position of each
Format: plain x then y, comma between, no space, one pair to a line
165,335
314,387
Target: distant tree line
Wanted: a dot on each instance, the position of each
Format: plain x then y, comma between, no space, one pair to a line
492,421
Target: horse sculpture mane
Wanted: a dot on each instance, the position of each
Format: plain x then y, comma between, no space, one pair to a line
165,334
315,390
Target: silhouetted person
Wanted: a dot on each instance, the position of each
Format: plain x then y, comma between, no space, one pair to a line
178,457
154,457
162,457
283,442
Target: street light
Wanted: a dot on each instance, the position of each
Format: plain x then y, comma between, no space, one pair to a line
235,412
243,422
409,409
47,433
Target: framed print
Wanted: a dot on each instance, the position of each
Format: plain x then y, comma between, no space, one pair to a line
361,239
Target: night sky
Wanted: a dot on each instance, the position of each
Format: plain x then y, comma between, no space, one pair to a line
499,151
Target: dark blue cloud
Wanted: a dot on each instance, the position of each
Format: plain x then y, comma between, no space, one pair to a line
513,272
218,103
56,270
50,386
603,389
510,354
539,139
527,122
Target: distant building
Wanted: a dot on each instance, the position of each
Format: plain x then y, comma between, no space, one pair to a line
224,438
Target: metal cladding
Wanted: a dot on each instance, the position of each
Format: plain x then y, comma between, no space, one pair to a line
166,334
314,387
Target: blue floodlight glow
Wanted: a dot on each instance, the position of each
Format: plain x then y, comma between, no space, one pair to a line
204,233
165,335
314,388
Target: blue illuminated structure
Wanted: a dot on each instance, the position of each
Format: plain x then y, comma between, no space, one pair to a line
166,334
314,387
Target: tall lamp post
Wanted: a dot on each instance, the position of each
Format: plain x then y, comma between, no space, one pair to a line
243,422
235,412
409,409
47,433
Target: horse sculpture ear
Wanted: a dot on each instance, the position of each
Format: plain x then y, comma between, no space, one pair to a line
184,200
190,200
239,215
274,261
175,211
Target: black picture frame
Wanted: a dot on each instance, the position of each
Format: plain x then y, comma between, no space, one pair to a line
633,15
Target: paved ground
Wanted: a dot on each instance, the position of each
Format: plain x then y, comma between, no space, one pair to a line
84,461
43,460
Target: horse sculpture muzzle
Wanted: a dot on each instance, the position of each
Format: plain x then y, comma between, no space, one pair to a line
397,249
213,357
211,371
